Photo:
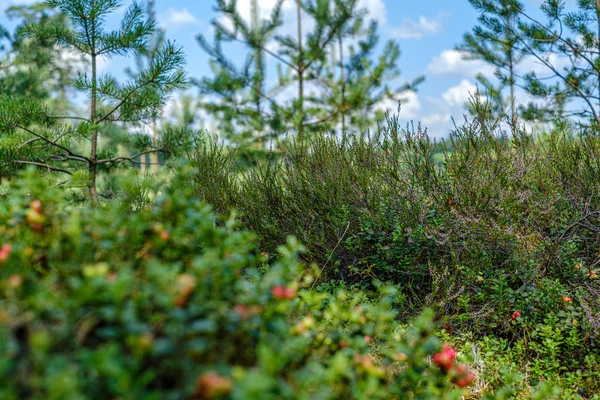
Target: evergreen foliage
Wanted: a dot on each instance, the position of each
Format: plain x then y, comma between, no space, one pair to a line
495,42
569,35
329,94
44,140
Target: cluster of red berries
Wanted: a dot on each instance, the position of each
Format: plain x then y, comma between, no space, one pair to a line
460,374
516,315
283,292
5,251
591,274
566,299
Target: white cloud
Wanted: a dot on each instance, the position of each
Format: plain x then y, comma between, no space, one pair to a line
458,95
436,122
174,18
411,29
265,8
376,9
409,105
450,104
531,64
453,63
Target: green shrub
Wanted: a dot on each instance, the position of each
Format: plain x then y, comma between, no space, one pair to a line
167,302
477,227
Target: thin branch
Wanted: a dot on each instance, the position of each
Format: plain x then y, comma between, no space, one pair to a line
123,100
131,158
64,157
273,54
26,143
564,79
66,117
45,139
42,165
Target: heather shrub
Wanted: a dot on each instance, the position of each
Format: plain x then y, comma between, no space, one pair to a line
478,226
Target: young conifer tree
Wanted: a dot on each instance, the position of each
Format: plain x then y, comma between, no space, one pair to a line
71,144
353,90
304,94
565,42
495,41
32,67
237,95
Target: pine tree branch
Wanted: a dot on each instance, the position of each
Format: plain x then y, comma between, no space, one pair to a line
67,117
564,79
42,165
123,100
271,53
45,139
558,38
64,157
130,158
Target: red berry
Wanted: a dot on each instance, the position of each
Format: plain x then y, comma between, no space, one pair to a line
242,310
5,251
465,380
181,301
112,276
283,292
212,385
445,358
461,369
368,338
186,284
566,299
164,235
36,205
516,315
364,361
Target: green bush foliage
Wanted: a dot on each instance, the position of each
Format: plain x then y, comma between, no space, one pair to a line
498,235
169,302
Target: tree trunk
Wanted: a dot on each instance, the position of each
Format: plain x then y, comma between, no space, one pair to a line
300,137
343,84
154,155
598,41
93,166
513,109
257,66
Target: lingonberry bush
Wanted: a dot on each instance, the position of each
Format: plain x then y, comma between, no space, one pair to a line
169,302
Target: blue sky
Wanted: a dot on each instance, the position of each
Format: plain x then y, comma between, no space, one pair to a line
426,30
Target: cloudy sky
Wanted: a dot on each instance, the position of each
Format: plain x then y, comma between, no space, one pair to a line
426,30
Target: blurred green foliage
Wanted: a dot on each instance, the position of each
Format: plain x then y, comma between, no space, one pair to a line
168,302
